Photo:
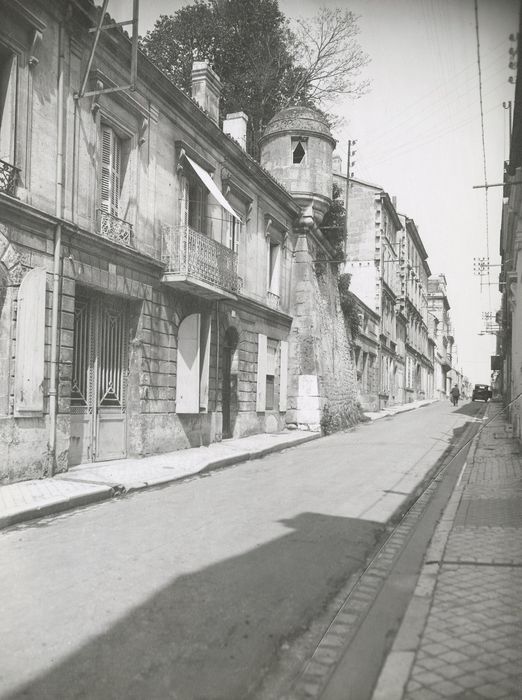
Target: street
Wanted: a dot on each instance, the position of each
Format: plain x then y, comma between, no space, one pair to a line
197,590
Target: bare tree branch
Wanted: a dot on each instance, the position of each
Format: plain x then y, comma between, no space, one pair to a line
328,56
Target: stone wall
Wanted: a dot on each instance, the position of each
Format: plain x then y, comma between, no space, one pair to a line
322,382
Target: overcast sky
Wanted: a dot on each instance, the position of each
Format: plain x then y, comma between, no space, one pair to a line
419,132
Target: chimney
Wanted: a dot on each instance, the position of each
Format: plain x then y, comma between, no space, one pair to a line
235,125
206,88
337,163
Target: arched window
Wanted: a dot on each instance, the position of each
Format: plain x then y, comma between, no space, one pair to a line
193,362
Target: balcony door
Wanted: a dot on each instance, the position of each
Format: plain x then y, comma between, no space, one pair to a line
99,381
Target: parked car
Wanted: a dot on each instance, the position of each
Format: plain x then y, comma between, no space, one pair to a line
481,392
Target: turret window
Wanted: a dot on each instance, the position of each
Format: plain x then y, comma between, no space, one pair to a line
298,150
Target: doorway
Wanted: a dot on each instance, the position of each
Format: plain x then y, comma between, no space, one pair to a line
230,372
99,379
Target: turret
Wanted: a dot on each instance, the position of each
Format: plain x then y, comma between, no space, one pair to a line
296,148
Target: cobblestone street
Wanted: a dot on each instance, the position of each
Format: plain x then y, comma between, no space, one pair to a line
471,645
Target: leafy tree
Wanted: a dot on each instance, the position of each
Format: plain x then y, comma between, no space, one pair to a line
263,65
246,42
333,225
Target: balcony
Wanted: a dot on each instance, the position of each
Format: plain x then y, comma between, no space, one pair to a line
197,264
114,229
8,178
273,300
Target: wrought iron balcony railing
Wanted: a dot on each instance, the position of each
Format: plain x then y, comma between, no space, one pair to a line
115,229
8,178
187,252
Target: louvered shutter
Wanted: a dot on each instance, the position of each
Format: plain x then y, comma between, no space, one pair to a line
106,153
115,175
111,172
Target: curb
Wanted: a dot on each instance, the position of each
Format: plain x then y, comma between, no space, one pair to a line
389,413
395,672
110,490
83,499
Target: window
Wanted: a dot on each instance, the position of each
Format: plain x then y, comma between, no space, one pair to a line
270,374
232,231
274,266
111,175
193,203
298,151
193,364
8,72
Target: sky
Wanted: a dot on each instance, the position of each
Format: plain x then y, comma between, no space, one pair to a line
419,136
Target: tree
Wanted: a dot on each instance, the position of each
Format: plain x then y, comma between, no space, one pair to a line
247,43
263,65
329,57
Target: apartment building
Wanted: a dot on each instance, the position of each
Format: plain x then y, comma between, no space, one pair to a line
414,274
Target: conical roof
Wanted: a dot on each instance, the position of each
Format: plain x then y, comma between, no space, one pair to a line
301,119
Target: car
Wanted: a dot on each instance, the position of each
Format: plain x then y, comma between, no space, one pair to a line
481,392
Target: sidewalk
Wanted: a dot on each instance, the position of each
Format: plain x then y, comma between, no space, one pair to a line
401,408
461,636
94,482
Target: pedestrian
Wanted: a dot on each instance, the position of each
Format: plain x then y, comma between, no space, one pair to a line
455,395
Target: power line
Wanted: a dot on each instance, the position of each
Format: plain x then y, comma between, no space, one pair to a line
483,139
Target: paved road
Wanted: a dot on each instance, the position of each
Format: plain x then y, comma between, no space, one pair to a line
189,591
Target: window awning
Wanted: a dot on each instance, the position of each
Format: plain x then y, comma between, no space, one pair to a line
211,186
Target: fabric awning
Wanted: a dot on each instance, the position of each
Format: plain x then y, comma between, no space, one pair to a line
211,186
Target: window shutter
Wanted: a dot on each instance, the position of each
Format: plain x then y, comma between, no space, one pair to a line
106,153
237,232
261,373
283,379
184,202
229,229
30,342
205,363
116,175
188,367
111,171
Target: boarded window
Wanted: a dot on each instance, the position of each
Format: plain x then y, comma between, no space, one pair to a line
193,364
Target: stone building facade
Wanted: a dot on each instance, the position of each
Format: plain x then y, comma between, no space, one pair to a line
414,274
372,260
150,270
442,332
510,318
297,149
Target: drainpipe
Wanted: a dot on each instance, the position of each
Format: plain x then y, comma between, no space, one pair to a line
53,380
217,365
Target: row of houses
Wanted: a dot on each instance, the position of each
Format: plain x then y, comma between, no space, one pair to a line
160,288
507,363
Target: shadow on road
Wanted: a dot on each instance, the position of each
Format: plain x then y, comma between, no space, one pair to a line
472,408
213,634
